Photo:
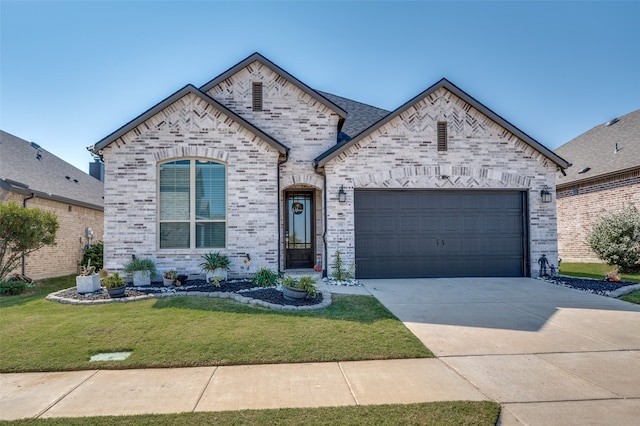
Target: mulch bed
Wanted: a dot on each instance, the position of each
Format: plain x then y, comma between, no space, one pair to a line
589,285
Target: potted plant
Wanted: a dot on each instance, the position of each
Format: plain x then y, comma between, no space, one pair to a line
88,281
141,269
113,283
296,288
215,265
169,277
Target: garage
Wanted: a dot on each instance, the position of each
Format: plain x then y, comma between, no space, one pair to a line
436,233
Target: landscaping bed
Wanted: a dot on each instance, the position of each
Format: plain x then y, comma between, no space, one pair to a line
590,285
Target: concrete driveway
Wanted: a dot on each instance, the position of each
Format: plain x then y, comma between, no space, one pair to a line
550,355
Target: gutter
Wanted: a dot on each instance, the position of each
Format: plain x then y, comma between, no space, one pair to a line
324,220
280,163
25,190
24,259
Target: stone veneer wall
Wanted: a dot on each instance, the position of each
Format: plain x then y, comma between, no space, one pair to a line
403,154
190,128
294,118
63,258
582,204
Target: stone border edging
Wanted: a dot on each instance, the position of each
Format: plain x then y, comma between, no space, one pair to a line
326,299
622,291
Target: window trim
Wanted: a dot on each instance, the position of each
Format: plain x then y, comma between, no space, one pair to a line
192,208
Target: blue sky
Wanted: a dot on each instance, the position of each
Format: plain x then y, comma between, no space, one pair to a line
73,72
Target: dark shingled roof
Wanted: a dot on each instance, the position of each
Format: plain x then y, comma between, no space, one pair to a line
27,169
359,115
596,150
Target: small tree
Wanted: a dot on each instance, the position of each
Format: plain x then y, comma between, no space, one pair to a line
339,270
615,238
23,231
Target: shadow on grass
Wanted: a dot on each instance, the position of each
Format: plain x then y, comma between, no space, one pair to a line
39,290
362,309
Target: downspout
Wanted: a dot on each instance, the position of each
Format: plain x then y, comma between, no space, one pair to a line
324,221
24,260
280,163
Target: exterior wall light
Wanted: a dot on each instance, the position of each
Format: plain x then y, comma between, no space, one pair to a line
545,194
342,196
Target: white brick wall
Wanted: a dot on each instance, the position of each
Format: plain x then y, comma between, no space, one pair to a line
403,154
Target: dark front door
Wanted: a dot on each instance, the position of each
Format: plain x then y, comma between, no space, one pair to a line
299,230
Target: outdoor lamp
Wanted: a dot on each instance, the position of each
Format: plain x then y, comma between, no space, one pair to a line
545,194
342,196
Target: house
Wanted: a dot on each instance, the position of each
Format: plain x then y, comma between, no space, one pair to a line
32,177
259,166
604,177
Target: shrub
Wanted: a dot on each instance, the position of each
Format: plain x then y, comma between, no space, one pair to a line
265,277
94,254
339,271
615,238
12,288
137,264
23,231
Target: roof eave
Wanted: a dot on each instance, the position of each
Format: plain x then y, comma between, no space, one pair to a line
596,177
24,190
443,83
188,89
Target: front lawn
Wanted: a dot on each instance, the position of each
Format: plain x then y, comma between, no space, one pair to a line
38,335
594,270
472,413
632,297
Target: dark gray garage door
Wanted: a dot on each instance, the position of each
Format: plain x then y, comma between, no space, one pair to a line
415,233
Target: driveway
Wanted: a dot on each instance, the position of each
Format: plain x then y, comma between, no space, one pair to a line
549,354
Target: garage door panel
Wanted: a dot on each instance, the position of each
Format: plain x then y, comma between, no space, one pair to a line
403,235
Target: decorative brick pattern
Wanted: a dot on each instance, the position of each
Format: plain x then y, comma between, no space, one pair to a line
403,154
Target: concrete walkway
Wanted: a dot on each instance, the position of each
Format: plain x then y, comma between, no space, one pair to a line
550,355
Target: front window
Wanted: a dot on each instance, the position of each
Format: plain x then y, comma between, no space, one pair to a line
193,204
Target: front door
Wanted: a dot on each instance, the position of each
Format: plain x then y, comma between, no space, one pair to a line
299,230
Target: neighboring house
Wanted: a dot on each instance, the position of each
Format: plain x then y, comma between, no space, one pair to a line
32,177
259,166
603,178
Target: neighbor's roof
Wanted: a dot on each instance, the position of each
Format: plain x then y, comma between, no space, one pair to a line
593,154
446,84
188,89
276,69
27,168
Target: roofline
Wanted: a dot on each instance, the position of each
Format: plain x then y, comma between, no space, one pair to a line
446,84
188,89
25,190
276,69
596,177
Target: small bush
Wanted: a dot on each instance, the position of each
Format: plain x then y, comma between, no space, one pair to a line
94,254
339,270
265,277
12,288
615,238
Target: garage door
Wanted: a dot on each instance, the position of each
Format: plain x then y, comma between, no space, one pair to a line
415,233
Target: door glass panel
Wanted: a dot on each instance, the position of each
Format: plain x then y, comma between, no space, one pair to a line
299,224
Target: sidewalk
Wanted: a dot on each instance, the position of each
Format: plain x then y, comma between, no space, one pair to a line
175,390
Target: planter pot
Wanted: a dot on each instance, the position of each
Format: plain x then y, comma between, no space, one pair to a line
220,272
141,278
87,284
116,292
292,293
168,282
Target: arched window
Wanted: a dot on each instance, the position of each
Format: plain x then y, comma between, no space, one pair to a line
193,204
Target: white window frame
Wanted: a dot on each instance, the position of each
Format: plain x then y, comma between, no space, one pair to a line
192,207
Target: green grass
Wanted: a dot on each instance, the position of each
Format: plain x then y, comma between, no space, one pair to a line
632,297
39,335
433,413
594,270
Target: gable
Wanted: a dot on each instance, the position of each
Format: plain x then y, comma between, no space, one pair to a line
442,101
186,109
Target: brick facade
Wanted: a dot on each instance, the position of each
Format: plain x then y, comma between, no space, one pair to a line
403,154
63,258
580,205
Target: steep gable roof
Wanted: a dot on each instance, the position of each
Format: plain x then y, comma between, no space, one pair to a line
359,115
26,168
608,148
446,84
188,89
276,69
